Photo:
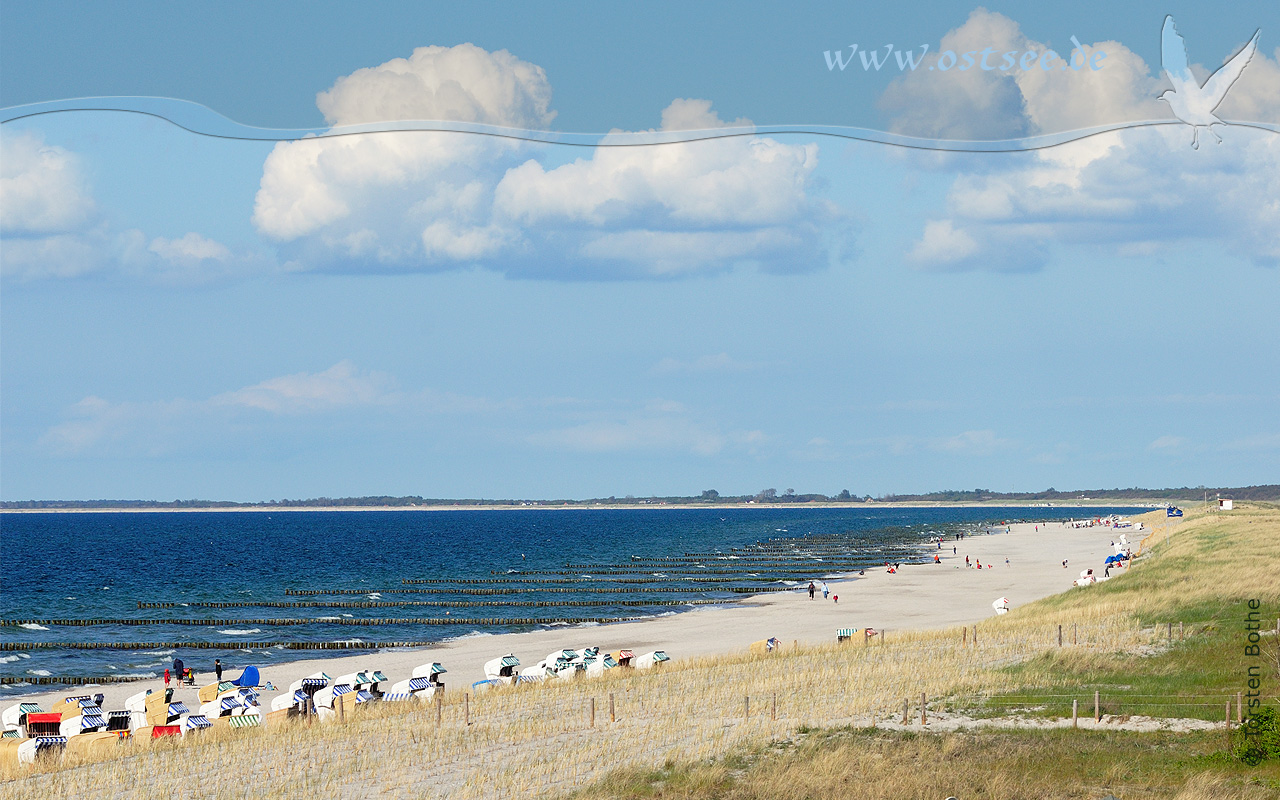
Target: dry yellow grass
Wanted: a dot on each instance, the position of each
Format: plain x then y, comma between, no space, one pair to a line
534,739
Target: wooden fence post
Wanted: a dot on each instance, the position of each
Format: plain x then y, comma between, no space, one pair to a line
1073,633
1227,725
1239,708
1059,636
746,706
1075,713
904,712
593,713
773,711
1170,633
439,708
924,704
612,717
1097,709
964,636
466,707
1180,632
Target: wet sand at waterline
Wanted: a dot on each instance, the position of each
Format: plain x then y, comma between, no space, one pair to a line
919,596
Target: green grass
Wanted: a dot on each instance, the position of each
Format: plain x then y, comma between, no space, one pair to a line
1190,678
869,763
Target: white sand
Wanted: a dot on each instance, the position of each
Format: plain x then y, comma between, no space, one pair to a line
920,596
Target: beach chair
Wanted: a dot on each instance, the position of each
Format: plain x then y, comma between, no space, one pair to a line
845,634
655,659
41,747
14,717
765,646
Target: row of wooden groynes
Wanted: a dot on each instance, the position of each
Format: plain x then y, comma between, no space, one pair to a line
430,603
13,646
85,623
546,589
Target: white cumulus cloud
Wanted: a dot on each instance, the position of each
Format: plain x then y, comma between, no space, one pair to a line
1134,192
438,200
42,188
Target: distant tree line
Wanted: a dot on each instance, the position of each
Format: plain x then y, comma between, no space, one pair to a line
1266,493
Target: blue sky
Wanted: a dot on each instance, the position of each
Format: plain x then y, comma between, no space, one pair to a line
447,315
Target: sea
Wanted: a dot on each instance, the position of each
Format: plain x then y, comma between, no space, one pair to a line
265,587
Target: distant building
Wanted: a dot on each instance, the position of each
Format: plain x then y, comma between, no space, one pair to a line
1224,503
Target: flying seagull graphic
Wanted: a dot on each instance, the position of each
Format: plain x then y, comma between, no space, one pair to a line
1192,103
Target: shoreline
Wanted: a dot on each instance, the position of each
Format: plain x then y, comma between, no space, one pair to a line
1086,504
920,596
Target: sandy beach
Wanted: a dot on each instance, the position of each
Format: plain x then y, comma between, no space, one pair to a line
919,596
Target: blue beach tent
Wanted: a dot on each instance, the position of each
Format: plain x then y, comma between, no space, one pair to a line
247,678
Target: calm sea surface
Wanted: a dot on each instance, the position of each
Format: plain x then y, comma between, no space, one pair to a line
520,564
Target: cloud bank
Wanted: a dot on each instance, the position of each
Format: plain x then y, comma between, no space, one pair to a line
429,201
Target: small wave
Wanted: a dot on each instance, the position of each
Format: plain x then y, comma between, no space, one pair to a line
44,673
347,615
238,632
31,626
143,666
156,653
659,575
587,625
327,619
137,675
374,595
348,641
470,635
788,583
68,598
106,588
8,659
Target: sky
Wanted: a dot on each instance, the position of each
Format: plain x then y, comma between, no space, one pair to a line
456,315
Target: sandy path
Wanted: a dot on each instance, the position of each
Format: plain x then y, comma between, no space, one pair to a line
919,596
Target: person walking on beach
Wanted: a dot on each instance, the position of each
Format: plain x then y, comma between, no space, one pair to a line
166,677
966,562
217,669
812,589
826,592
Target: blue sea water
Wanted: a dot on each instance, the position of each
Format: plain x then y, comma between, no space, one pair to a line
59,566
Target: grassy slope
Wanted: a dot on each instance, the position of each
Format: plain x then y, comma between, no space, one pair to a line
1203,576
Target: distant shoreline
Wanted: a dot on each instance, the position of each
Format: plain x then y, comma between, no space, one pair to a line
1154,503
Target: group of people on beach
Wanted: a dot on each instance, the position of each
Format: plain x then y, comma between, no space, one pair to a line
186,675
826,591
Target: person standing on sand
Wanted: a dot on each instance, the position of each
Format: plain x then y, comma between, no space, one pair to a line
166,677
217,669
812,589
966,562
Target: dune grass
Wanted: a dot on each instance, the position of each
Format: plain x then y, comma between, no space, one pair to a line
862,764
702,722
